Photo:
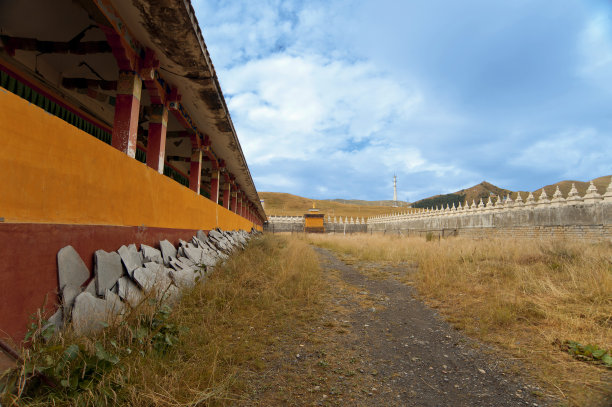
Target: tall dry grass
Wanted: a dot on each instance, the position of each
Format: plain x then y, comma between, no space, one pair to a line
224,324
522,295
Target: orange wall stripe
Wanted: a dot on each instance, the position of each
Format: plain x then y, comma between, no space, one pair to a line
52,172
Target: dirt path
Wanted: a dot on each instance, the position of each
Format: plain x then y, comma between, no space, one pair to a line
376,345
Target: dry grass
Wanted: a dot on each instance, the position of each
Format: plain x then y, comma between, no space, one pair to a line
517,294
228,322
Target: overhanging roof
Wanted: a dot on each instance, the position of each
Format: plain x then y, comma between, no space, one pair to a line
170,28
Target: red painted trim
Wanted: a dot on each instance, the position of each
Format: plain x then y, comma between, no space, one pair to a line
28,262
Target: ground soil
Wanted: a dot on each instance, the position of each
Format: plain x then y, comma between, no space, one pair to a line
374,343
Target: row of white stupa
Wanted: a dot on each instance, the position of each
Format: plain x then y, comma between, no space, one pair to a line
300,219
573,198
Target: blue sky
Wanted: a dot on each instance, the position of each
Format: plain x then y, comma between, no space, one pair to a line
331,98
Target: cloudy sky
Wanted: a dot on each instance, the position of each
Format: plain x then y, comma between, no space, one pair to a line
331,98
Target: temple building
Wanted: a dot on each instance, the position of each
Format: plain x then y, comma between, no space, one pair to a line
113,130
314,222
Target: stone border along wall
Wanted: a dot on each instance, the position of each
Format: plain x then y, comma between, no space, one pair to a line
123,279
278,224
588,217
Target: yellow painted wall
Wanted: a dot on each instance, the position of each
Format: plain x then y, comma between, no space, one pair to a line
52,172
313,222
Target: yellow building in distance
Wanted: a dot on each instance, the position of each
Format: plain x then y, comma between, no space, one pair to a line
313,221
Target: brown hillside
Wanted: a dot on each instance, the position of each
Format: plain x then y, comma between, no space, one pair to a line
283,204
564,186
482,190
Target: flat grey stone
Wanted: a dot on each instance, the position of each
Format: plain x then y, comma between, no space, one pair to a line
194,254
180,252
183,279
151,254
201,235
71,268
175,264
69,293
129,292
91,287
186,262
153,279
215,234
107,270
90,314
152,265
167,250
197,242
208,260
130,257
114,305
171,295
57,320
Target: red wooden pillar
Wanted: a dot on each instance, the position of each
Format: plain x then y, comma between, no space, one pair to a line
127,107
234,203
195,172
156,146
214,186
239,204
227,188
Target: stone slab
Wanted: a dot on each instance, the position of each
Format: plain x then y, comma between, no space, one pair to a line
129,292
151,279
201,235
114,306
91,287
107,270
215,234
183,279
151,254
71,268
167,250
130,257
57,320
89,315
69,293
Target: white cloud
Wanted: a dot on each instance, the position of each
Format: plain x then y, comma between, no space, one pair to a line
578,153
308,105
595,45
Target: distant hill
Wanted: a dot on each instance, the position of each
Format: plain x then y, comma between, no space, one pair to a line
486,189
283,204
482,190
564,186
389,202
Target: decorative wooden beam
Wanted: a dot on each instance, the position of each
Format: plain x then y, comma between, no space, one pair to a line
157,87
124,45
84,83
11,44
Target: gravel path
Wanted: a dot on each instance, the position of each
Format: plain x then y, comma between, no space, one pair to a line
375,344
419,358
